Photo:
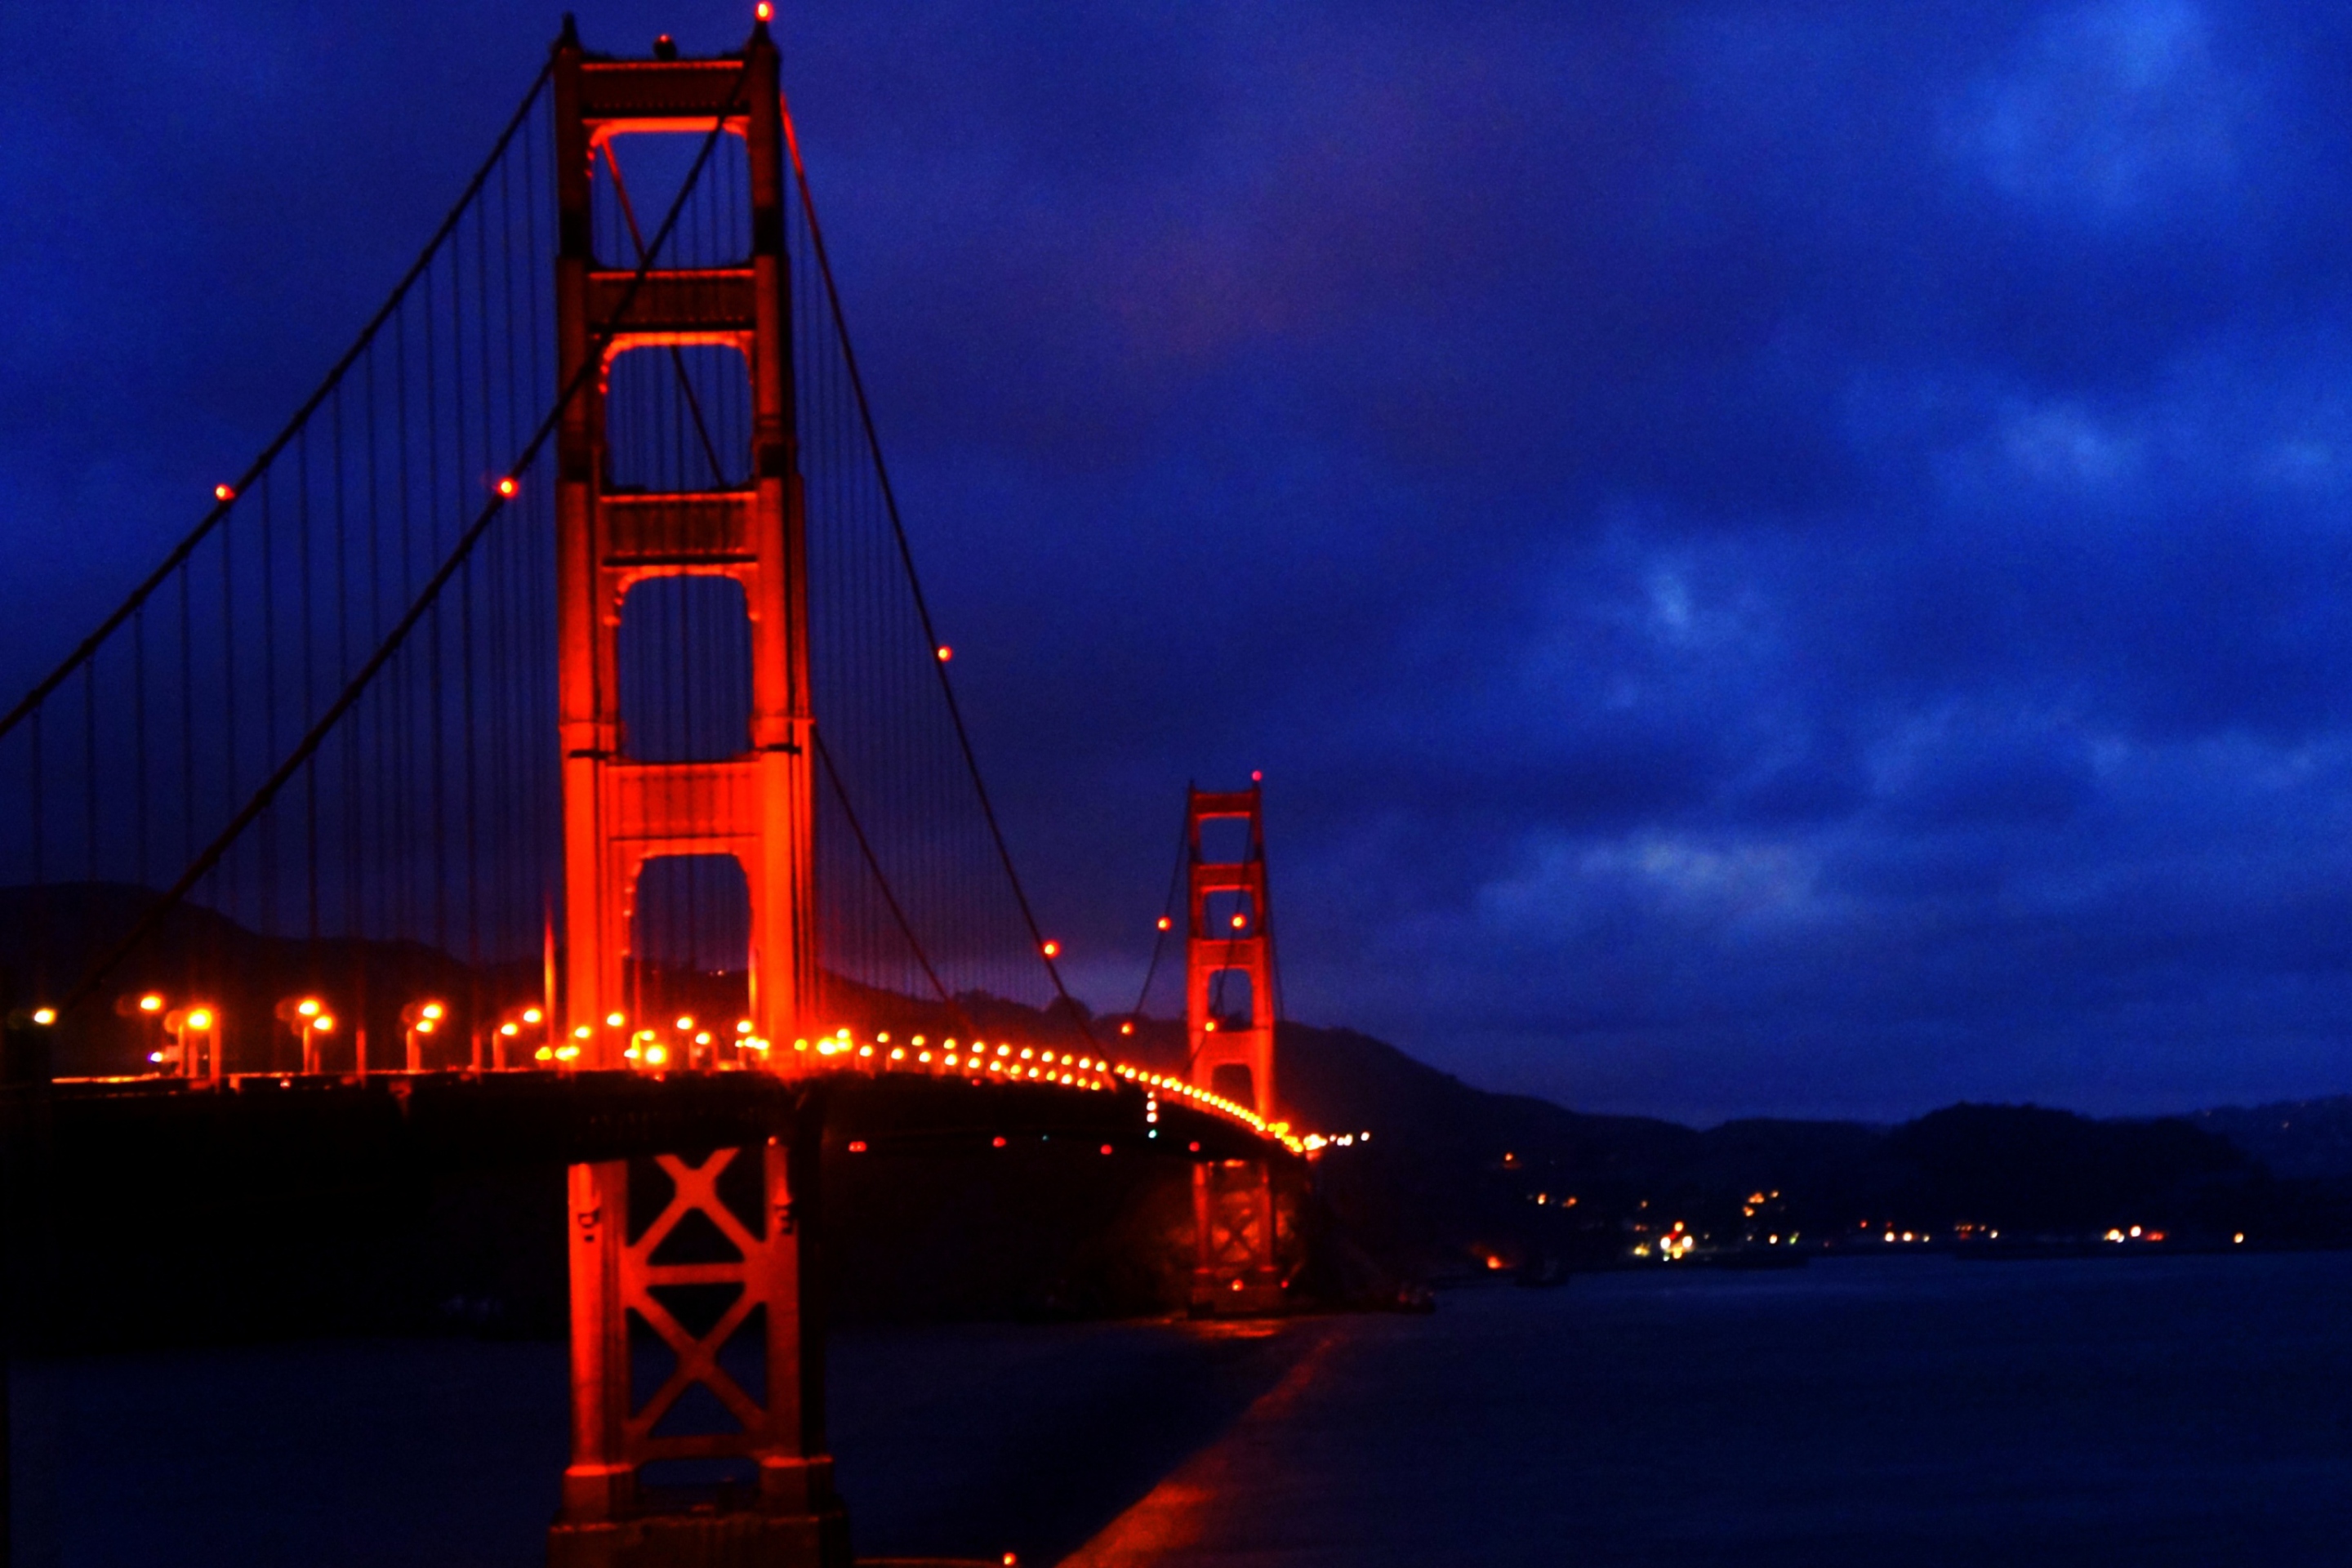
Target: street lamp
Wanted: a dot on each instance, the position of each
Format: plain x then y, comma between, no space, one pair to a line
308,1018
144,1007
420,1019
193,1030
511,1032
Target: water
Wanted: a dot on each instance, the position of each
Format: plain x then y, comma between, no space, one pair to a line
1900,1410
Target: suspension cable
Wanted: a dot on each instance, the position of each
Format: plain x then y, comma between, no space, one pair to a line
261,798
849,814
221,507
1168,914
914,581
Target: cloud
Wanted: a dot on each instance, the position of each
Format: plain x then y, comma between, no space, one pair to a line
2118,113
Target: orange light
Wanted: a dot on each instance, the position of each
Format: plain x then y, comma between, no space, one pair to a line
655,1055
1165,923
1053,950
307,1007
763,10
325,1024
507,488
945,653
742,1026
544,1054
1210,1027
434,1010
1127,1029
531,1015
614,1020
1240,921
685,1021
201,1018
426,1027
857,1145
45,1016
150,1003
508,1030
224,492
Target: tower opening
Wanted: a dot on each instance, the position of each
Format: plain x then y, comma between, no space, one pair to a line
685,658
677,418
690,952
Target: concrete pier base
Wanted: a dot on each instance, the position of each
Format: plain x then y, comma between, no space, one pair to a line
712,1538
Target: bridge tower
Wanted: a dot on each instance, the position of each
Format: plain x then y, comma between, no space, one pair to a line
619,811
1229,1013
733,1222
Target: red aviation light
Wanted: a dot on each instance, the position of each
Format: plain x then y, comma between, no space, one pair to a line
1165,923
763,11
224,492
945,653
1053,950
507,488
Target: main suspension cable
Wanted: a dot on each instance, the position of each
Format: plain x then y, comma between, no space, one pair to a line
591,365
224,503
914,581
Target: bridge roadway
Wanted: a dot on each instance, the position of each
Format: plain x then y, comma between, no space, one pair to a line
462,1119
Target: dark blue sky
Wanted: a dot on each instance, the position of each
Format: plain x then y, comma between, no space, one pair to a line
1778,559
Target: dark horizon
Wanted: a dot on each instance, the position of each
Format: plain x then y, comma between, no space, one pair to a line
1778,559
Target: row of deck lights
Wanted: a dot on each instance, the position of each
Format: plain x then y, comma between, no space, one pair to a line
647,1049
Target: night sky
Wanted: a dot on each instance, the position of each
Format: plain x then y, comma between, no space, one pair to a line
1777,559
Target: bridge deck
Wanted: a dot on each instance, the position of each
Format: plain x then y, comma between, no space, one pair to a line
462,1118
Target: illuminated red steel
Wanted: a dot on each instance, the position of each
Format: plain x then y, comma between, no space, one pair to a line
757,807
607,1516
620,813
1233,1214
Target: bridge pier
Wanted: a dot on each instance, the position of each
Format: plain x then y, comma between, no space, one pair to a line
1235,1271
723,1289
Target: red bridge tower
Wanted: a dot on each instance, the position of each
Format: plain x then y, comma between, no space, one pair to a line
1229,1010
736,1222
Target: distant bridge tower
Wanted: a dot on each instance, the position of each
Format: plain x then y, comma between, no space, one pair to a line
619,811
738,1221
1228,1015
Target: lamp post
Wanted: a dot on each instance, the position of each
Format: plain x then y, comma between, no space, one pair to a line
193,1031
308,1018
144,1007
420,1020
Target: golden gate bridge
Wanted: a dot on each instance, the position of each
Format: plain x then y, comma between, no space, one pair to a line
311,838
